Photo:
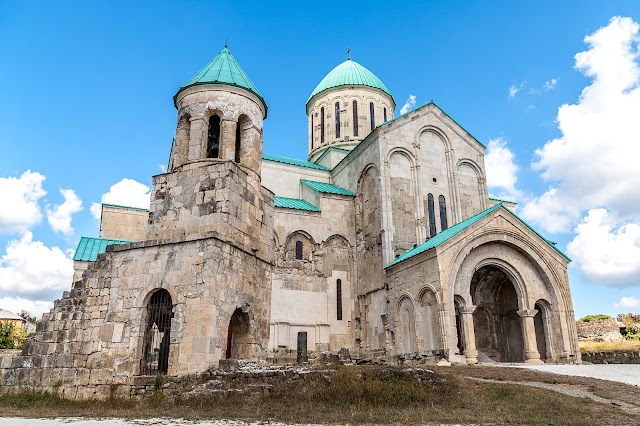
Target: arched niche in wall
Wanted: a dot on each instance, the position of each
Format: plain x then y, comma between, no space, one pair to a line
402,201
469,188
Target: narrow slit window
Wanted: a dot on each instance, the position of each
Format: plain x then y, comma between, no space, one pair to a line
237,150
355,118
432,215
299,250
312,131
384,114
322,125
339,300
213,137
443,212
337,119
372,116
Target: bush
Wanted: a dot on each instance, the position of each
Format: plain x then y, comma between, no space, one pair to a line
594,317
11,337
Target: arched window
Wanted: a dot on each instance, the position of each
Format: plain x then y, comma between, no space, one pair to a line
157,334
337,119
339,299
213,137
237,148
299,250
312,131
355,118
372,116
443,213
322,125
384,114
432,215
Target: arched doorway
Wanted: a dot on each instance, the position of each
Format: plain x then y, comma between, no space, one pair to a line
497,325
239,342
157,334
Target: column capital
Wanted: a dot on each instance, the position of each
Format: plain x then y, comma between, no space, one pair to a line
467,309
524,313
198,118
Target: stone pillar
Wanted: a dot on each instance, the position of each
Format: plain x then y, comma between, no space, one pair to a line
470,351
531,354
198,139
228,140
303,356
251,151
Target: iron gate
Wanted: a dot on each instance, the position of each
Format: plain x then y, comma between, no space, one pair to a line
155,358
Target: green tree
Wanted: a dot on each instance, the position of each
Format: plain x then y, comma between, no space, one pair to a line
27,316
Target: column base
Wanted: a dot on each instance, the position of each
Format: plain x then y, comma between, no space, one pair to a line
471,357
534,361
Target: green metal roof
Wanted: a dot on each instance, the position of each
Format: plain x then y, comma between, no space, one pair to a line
349,73
89,248
326,188
124,207
294,162
224,69
502,200
294,203
448,233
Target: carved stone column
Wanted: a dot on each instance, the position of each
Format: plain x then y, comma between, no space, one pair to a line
198,139
531,354
470,351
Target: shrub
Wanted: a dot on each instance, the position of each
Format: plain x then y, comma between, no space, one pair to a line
11,337
594,317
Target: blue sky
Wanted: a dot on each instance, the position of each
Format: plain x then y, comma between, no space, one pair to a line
87,102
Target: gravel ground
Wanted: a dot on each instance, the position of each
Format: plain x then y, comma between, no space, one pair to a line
623,373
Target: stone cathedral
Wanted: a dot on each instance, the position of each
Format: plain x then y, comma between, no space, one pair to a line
384,241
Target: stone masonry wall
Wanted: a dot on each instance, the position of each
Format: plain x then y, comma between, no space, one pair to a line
92,338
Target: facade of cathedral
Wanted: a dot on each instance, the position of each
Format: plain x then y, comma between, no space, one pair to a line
384,242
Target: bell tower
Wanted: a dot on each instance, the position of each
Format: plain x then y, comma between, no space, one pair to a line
220,114
212,187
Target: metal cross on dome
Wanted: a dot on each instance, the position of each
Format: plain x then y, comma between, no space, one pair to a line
349,53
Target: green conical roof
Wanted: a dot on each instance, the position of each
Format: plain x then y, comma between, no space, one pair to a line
349,73
224,69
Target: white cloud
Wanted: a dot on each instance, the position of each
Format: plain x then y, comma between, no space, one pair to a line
127,192
628,302
33,271
163,168
550,84
606,252
60,216
19,208
594,163
501,169
408,105
513,90
17,304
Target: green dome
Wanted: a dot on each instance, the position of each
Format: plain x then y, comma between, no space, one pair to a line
224,69
349,73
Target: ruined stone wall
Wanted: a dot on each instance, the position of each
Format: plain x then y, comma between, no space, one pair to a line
92,338
123,223
213,196
604,330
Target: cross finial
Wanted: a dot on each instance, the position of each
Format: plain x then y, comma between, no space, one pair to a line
226,42
349,54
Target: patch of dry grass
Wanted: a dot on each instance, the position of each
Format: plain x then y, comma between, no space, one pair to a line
622,346
357,395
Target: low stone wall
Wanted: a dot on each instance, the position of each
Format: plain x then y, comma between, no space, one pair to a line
611,357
